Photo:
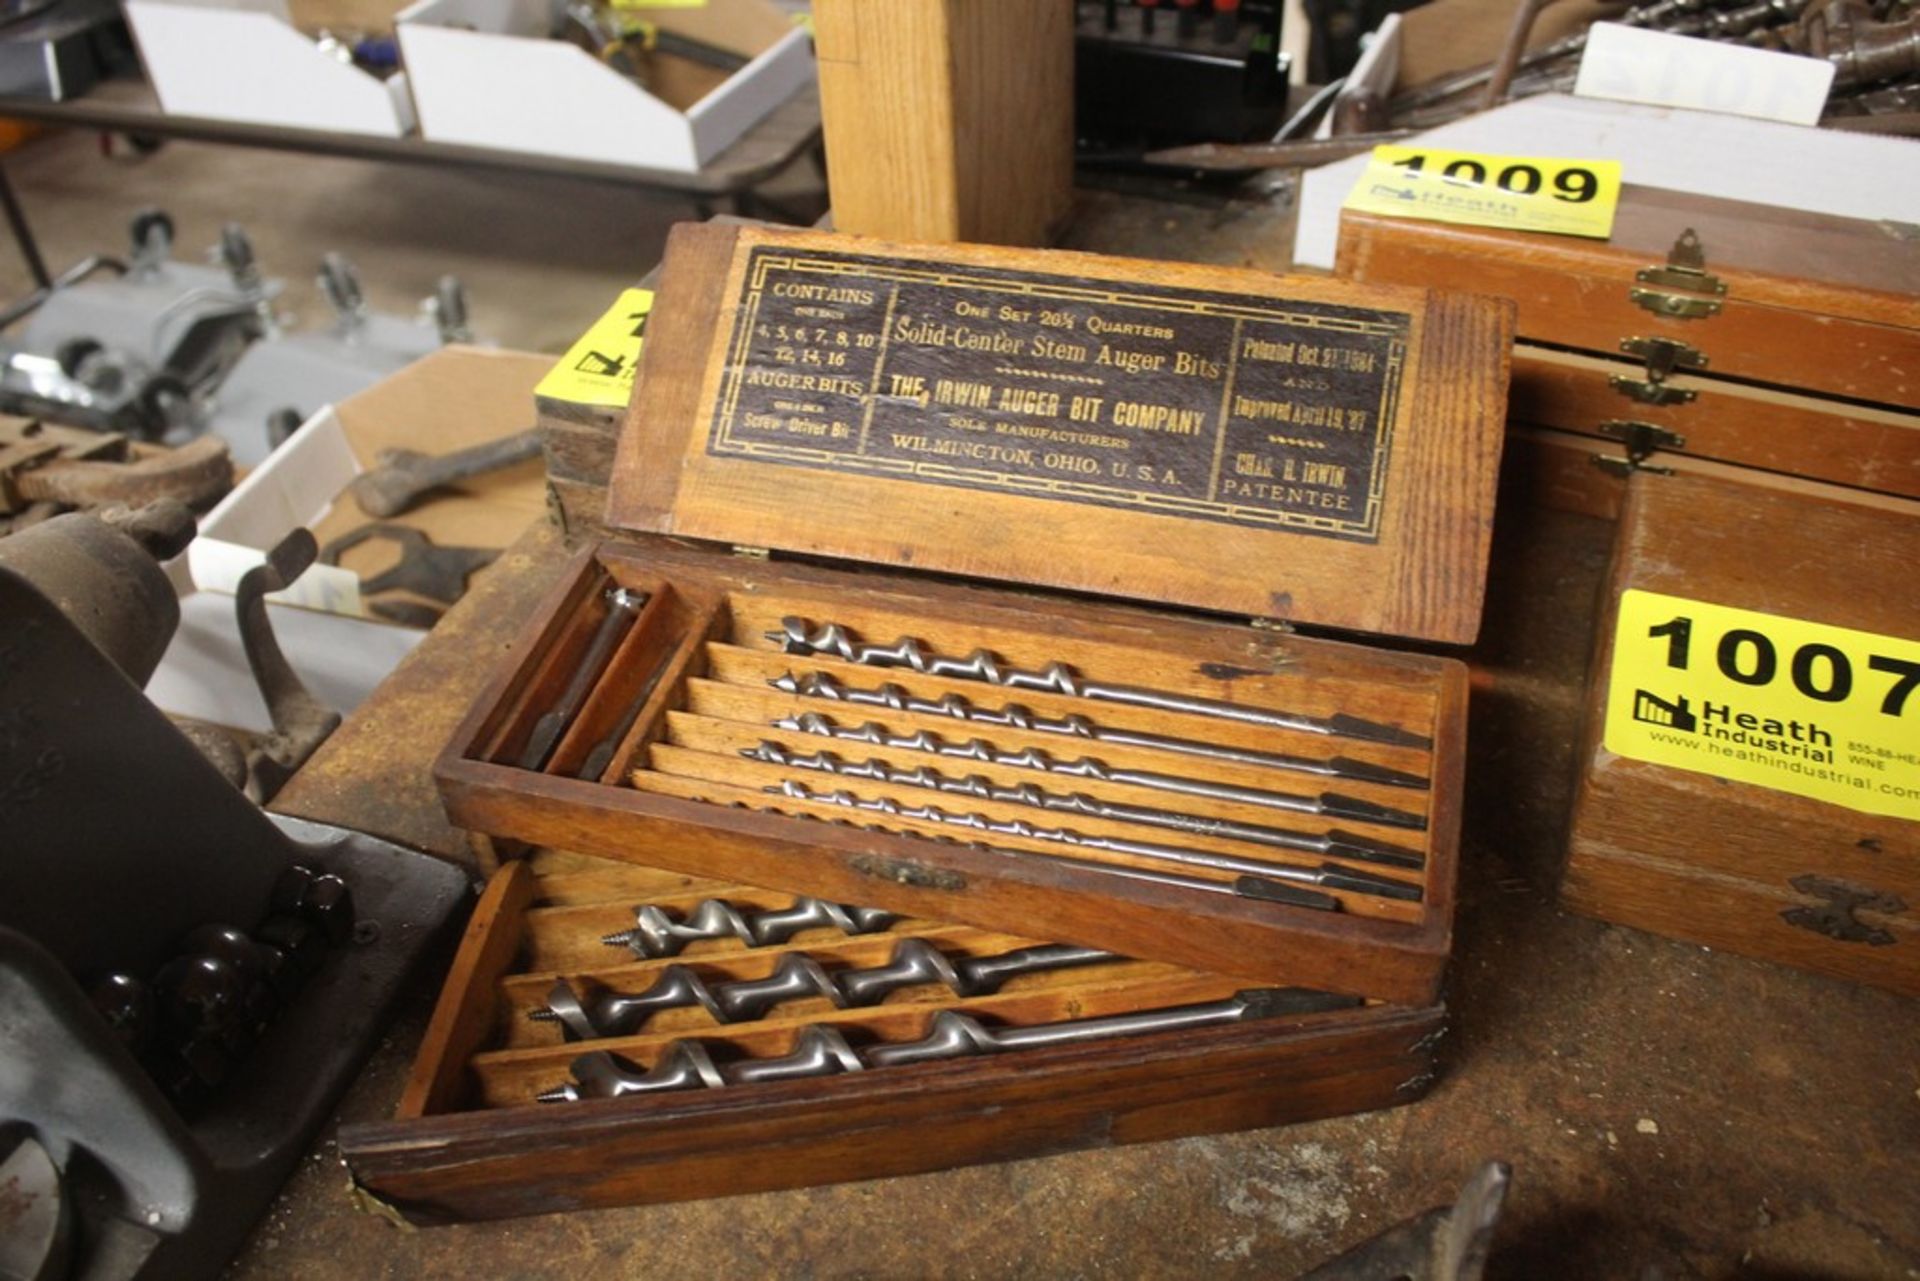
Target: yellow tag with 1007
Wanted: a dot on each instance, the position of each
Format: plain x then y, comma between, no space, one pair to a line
1825,712
1523,193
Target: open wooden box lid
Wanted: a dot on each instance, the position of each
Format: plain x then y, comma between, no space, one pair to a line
1301,449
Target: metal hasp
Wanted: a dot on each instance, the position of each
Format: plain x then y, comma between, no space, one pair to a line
1662,357
1683,289
1642,440
796,976
1451,1243
1015,716
121,841
822,1050
799,636
400,477
1835,918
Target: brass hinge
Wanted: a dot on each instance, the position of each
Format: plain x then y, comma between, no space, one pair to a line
1272,625
1676,286
752,553
1642,440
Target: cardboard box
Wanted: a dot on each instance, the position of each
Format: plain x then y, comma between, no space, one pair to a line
488,73
455,397
245,60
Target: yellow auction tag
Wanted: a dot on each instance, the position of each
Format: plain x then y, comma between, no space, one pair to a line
598,369
1524,193
1796,706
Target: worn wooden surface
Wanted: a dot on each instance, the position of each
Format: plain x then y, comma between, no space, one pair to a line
1418,572
1824,304
1701,857
948,119
1665,1106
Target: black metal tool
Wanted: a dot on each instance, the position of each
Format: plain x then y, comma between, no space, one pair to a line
1330,876
914,963
656,931
425,567
623,607
799,636
1016,716
400,477
601,754
823,1050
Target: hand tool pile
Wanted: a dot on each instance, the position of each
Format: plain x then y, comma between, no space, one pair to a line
747,730
845,975
192,1021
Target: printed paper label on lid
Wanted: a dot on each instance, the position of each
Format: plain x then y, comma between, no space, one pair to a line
1784,703
1262,412
1520,193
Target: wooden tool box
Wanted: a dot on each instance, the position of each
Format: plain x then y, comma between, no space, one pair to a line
1729,862
1764,337
1235,807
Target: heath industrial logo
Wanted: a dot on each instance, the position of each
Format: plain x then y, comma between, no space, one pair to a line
1802,707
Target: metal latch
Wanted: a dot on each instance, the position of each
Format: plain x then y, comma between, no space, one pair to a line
1651,391
1642,440
1685,272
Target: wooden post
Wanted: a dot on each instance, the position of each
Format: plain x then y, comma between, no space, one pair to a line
948,119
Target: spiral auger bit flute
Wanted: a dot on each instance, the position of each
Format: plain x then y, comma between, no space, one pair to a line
1326,876
1327,804
914,963
799,636
1332,844
822,1050
657,933
894,698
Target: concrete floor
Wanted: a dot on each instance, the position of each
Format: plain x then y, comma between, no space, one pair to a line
541,257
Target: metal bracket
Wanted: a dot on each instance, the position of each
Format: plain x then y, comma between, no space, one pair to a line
1663,356
1685,271
1650,392
1835,918
1642,440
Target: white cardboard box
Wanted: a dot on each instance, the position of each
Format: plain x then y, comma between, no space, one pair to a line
487,73
244,60
454,397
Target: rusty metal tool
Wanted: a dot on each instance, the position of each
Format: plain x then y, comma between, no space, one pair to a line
1015,716
799,636
823,1050
301,722
1327,876
400,476
657,933
1450,1243
424,568
915,962
1345,845
623,607
197,473
1033,758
